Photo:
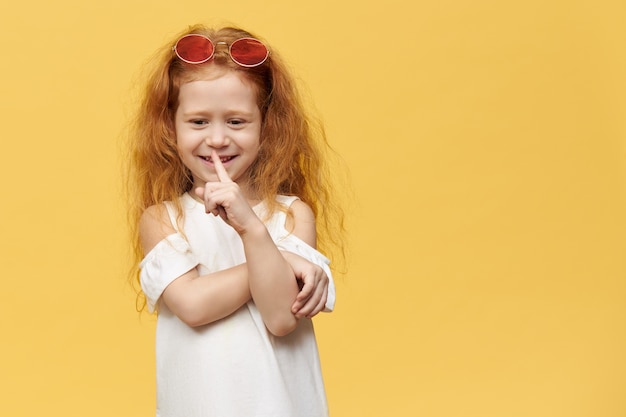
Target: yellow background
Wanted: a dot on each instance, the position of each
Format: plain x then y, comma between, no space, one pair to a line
485,141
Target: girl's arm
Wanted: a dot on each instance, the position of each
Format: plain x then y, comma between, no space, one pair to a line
272,280
201,299
312,298
195,299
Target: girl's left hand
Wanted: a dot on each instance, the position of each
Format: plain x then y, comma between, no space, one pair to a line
314,293
225,199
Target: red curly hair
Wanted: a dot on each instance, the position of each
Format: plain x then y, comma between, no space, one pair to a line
293,146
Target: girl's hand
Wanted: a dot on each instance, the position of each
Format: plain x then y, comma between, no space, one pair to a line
314,292
225,199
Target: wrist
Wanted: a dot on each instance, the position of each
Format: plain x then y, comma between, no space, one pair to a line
254,231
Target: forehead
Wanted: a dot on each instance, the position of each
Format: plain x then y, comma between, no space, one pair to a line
228,91
210,71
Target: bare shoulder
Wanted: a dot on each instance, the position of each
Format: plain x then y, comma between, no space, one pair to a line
154,226
303,222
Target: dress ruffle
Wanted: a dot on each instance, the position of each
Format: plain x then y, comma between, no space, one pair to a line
168,260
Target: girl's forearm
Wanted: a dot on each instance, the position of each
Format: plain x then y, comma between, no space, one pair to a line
202,299
271,279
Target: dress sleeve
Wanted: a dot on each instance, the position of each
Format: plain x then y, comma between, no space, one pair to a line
294,244
168,260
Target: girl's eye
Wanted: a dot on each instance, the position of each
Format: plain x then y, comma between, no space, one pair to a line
199,122
236,122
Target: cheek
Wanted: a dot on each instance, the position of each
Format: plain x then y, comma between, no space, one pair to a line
255,144
257,136
187,138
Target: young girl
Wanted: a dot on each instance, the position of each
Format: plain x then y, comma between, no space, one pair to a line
228,183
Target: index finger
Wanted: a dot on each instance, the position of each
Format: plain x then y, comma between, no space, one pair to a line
219,168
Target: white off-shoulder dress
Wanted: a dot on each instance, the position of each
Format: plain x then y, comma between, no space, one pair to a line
233,367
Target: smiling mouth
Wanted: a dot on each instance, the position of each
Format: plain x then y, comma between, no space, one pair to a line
223,159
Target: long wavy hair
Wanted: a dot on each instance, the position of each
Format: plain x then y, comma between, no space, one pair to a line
293,147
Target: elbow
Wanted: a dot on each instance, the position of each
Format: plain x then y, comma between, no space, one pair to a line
191,317
282,326
193,321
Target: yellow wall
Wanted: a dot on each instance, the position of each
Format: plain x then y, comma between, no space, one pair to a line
485,141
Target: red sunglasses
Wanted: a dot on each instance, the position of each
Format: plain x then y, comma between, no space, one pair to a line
197,49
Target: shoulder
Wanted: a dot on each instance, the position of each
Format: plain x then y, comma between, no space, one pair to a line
302,222
154,226
296,206
302,211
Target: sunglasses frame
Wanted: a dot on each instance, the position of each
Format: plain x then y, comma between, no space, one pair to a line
214,45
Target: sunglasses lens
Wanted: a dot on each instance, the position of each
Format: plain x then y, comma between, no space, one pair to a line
194,49
248,52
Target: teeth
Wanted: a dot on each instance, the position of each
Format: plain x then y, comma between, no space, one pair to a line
222,158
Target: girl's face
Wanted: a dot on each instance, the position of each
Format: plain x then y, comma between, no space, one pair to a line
218,114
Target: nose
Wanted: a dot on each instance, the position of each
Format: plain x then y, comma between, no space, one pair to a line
217,137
